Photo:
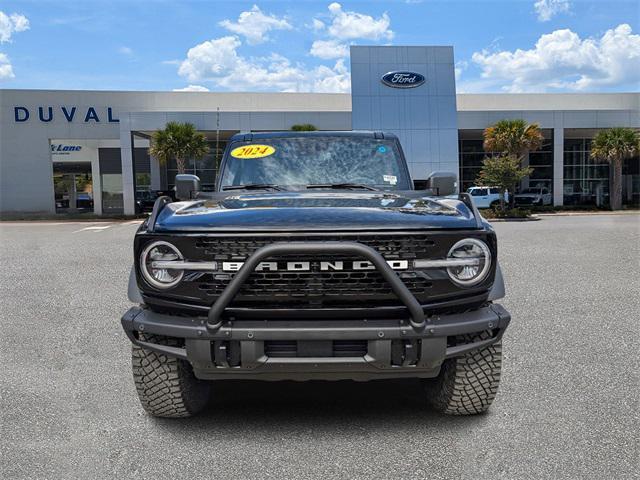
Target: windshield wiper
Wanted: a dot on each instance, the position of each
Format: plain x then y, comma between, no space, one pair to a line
253,186
343,185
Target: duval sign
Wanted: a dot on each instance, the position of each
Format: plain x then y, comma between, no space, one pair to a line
401,79
47,114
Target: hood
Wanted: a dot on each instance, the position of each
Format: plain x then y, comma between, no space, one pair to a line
315,211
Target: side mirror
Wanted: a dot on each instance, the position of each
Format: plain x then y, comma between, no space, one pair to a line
187,186
442,183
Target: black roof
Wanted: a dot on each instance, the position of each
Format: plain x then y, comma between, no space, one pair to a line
316,133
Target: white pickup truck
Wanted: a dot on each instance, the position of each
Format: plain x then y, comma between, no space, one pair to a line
534,196
486,197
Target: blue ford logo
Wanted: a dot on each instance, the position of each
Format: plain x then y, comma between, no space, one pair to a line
403,79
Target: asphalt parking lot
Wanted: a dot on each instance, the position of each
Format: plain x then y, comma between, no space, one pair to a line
568,404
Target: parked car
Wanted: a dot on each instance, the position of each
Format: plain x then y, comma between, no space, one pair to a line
315,259
486,197
146,198
537,196
84,200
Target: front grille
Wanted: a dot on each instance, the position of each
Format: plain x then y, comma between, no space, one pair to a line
400,247
368,283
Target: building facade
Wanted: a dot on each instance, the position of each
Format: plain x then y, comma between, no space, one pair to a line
66,151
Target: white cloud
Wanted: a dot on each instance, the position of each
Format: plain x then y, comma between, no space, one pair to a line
328,49
210,59
192,88
351,25
562,60
346,25
10,24
218,61
331,80
547,9
125,51
6,70
317,25
255,24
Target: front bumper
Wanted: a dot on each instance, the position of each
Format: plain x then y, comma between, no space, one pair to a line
241,348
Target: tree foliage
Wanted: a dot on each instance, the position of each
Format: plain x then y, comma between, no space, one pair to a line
179,141
303,127
504,172
514,138
614,146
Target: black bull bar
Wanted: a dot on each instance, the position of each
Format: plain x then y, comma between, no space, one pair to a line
416,313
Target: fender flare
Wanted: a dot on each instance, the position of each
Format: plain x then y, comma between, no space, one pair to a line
497,290
132,291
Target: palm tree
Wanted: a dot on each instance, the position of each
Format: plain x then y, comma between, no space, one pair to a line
179,141
513,139
614,146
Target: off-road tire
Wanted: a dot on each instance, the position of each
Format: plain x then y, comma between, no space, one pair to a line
166,385
468,384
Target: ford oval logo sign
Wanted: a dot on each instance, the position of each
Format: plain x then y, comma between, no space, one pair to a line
403,79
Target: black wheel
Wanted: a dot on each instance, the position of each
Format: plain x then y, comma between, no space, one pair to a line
166,386
494,205
468,384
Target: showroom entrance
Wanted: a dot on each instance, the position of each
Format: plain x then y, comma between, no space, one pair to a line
74,165
87,176
73,187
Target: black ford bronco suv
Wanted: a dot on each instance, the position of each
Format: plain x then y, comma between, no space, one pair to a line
315,258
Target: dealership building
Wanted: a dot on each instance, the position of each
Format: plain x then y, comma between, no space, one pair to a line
67,151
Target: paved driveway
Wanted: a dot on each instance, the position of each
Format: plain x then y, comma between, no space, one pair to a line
567,407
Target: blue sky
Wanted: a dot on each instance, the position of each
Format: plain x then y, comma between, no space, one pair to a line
500,46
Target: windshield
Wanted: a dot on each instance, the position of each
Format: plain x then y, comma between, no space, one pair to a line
535,191
296,162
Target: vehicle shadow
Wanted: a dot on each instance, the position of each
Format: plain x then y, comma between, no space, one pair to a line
342,406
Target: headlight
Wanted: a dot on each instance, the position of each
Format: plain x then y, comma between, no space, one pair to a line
156,265
475,261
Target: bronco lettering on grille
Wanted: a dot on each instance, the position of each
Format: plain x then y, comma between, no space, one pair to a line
295,266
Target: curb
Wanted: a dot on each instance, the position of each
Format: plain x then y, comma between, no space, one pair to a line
578,214
526,219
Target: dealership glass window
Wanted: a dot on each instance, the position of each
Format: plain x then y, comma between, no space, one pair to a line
111,179
206,168
542,163
631,182
142,169
112,201
586,181
472,155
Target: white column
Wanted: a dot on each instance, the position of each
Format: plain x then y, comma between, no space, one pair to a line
96,183
126,157
558,166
